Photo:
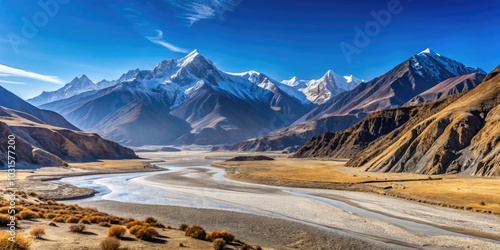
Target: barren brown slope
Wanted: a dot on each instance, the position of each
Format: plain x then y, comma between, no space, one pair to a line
41,144
448,87
458,134
463,137
390,122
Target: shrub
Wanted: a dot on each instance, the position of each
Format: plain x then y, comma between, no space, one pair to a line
133,230
104,224
20,243
59,219
110,244
84,221
196,232
219,244
216,234
96,219
37,232
144,232
50,216
116,231
246,247
72,219
52,202
151,220
258,247
183,227
52,224
77,228
4,220
115,221
27,215
136,223
4,210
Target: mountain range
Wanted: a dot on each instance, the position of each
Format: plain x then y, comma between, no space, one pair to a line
404,83
435,113
189,101
458,134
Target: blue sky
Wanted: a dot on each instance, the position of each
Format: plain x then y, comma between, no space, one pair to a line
103,39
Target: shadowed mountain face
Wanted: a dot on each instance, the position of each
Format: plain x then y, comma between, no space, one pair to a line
395,88
43,144
458,134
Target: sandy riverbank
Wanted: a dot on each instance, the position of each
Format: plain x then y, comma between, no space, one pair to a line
454,191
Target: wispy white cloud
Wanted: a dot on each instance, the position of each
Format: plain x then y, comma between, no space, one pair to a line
148,29
6,70
197,10
158,39
11,82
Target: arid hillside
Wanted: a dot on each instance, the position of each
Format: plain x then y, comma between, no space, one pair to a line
460,134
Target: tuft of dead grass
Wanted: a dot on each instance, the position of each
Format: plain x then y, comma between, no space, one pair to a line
116,231
38,232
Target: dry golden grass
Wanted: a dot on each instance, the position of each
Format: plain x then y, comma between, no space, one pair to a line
283,169
476,194
197,232
20,243
462,192
38,232
116,231
115,165
110,244
220,234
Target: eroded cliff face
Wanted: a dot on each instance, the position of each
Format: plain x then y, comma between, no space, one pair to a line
460,134
41,144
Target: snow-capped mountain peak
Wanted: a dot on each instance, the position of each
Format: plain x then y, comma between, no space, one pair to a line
432,65
79,84
428,51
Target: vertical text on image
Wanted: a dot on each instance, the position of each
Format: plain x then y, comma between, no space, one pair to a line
11,184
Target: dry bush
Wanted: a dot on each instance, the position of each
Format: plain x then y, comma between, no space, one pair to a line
84,221
151,220
59,219
37,232
219,244
246,247
220,234
195,231
135,223
133,230
72,219
116,231
50,216
52,224
104,224
4,210
258,247
110,244
96,219
20,243
146,233
27,215
154,222
4,220
77,228
183,227
52,202
115,221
